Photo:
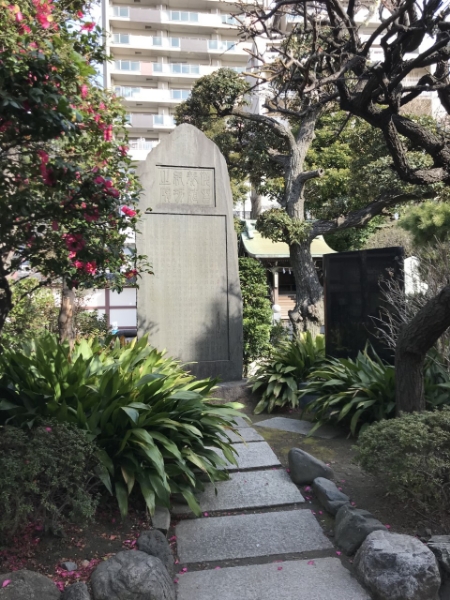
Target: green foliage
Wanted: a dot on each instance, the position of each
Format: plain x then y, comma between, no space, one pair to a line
152,421
89,324
257,310
355,393
276,225
411,454
278,377
352,392
427,222
46,477
34,311
389,235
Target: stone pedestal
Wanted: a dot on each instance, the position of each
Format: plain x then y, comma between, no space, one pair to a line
192,304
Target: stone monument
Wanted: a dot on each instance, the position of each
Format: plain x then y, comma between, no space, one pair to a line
192,304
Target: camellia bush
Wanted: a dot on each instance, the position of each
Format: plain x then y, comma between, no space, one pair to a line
67,193
154,424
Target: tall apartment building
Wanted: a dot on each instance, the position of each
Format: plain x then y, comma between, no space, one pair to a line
159,51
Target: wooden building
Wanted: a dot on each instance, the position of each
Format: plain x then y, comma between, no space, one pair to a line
275,258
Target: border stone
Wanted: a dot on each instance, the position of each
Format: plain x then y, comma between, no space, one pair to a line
252,456
249,536
397,567
250,489
352,526
326,432
440,547
304,467
328,495
76,591
321,579
154,542
161,519
28,585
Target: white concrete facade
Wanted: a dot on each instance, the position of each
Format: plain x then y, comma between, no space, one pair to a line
158,51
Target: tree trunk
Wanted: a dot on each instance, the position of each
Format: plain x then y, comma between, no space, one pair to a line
5,297
308,314
256,201
65,319
414,341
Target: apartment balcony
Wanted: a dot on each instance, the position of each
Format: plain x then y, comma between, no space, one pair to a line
172,20
131,71
147,121
139,149
136,96
126,44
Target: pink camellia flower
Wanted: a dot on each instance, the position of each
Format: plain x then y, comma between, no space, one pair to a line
79,264
99,180
88,27
19,16
102,106
24,29
131,273
91,267
114,193
74,241
72,255
93,216
48,429
84,91
80,14
55,225
129,212
107,133
43,156
123,150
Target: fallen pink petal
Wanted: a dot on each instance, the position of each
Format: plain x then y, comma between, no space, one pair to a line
6,582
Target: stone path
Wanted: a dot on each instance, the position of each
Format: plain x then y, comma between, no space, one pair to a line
326,432
258,522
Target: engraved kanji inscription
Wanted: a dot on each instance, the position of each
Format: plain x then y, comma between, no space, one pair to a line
185,185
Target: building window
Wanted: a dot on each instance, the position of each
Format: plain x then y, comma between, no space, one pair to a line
157,41
184,69
128,119
157,68
121,11
224,46
180,94
121,38
127,92
128,65
175,42
183,16
229,20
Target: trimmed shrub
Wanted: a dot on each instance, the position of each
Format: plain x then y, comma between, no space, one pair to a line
257,310
411,454
278,377
46,477
153,423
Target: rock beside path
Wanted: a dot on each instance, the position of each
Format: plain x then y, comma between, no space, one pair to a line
77,591
328,495
27,585
352,526
161,519
132,575
154,542
304,467
440,547
397,567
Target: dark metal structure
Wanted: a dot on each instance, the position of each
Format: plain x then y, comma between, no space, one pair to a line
353,283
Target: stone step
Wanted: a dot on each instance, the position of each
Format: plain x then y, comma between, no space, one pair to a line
249,536
321,579
241,422
326,432
246,434
250,489
254,456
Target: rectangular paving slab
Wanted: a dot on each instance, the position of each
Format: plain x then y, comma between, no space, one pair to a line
241,422
327,432
252,456
325,579
250,489
246,434
249,536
